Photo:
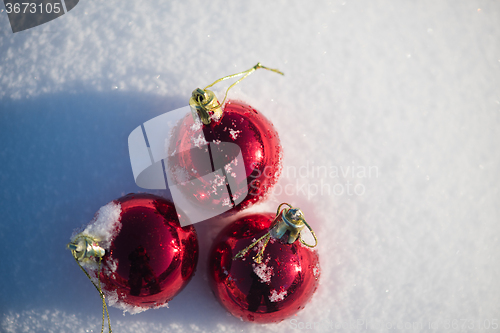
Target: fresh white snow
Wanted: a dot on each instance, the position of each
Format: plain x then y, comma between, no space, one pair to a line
388,114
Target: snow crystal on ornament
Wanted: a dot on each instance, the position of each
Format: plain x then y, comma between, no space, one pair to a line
105,225
111,297
199,141
112,265
234,133
196,125
217,181
316,271
264,272
277,297
113,300
229,170
227,202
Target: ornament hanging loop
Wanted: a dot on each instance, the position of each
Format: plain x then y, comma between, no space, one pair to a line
204,103
312,233
288,219
245,74
84,248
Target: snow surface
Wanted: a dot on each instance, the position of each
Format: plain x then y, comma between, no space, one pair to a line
389,115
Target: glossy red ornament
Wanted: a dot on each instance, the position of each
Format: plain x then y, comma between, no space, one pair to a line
268,292
149,258
260,147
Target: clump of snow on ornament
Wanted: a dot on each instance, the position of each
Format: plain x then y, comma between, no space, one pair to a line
106,224
263,271
199,141
234,133
277,296
316,271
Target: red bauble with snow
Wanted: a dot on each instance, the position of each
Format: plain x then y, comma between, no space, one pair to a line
261,153
269,291
149,258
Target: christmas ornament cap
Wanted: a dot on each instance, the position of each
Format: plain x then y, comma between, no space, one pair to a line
85,247
292,220
204,103
289,219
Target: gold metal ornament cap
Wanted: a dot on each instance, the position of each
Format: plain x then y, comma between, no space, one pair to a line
204,104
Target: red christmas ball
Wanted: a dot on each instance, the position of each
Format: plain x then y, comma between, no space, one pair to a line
149,258
261,153
265,292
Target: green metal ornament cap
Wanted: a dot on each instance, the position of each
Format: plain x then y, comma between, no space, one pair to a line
85,247
289,219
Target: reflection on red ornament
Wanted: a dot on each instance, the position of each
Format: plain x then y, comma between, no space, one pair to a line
265,292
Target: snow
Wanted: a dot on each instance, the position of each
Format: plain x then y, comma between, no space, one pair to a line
264,272
408,88
277,296
105,225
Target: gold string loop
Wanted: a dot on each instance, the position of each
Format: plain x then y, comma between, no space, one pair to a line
204,103
313,234
245,74
86,248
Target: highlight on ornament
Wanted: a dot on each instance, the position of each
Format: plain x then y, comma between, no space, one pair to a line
208,154
136,253
261,269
